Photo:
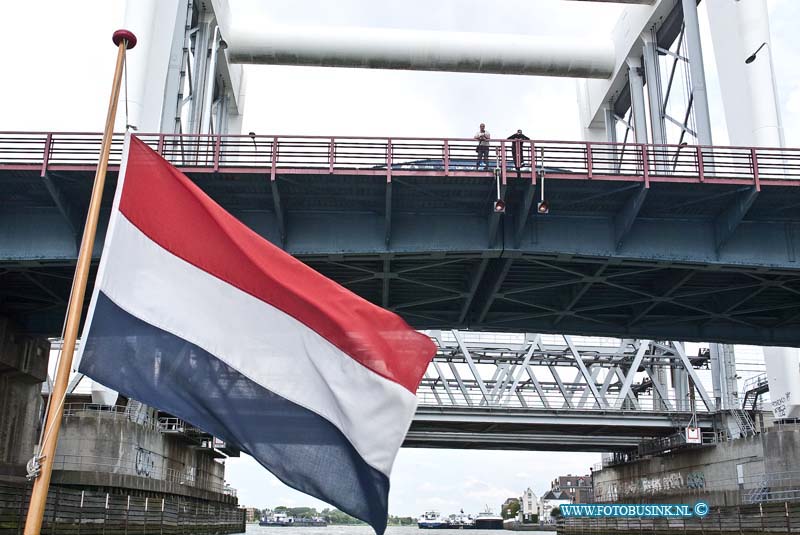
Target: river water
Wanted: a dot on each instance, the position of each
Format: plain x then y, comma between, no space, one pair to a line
255,529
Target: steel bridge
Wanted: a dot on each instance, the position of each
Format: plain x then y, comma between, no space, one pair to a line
548,392
668,241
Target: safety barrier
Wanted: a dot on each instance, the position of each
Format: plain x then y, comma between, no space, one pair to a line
754,166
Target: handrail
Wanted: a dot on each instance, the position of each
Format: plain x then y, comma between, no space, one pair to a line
756,166
163,424
396,138
754,381
117,412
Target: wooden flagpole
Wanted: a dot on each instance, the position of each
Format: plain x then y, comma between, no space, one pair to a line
124,39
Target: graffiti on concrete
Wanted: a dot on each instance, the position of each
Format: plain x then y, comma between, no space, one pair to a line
696,480
606,492
145,465
660,484
780,404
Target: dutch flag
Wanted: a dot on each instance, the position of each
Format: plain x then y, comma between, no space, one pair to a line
194,313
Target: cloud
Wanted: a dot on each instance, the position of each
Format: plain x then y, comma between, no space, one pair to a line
493,494
438,502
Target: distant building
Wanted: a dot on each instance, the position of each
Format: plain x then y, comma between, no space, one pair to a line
510,508
252,514
528,506
550,500
578,488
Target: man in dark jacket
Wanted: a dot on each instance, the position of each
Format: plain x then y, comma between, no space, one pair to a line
516,150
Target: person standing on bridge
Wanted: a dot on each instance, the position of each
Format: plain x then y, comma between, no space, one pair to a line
516,150
482,149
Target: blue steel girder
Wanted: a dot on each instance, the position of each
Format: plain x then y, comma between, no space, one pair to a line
494,218
388,213
576,295
280,217
475,279
497,275
526,207
69,210
729,220
623,221
670,284
385,287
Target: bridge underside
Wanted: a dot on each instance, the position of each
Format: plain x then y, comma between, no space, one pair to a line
671,259
441,269
540,430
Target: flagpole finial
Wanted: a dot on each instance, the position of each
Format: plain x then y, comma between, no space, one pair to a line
124,35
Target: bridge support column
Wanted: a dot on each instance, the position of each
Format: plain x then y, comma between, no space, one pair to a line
661,402
698,73
623,221
723,374
658,128
199,70
636,82
611,123
680,382
23,367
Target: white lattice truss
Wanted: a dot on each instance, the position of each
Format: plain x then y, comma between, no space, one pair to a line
563,373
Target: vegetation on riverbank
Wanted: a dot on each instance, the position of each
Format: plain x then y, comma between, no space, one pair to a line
332,516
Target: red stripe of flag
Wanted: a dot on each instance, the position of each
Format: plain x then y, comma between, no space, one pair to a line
176,214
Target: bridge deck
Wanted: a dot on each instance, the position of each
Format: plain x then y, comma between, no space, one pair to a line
568,430
668,242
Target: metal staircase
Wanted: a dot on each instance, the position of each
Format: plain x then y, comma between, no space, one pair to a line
753,389
743,421
759,494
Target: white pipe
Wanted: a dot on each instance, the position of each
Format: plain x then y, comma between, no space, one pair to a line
754,24
139,17
374,48
752,109
778,121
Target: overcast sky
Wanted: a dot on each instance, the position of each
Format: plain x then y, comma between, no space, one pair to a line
57,61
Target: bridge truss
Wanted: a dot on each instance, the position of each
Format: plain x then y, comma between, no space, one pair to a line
533,391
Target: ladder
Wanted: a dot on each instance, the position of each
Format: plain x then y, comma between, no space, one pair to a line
743,421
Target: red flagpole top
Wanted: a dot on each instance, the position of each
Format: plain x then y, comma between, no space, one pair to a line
124,35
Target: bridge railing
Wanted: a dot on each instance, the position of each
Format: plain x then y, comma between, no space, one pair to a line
427,156
113,412
121,412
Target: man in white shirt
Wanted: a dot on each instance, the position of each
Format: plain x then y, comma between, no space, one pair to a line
482,149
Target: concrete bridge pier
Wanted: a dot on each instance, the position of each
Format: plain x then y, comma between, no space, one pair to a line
23,367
